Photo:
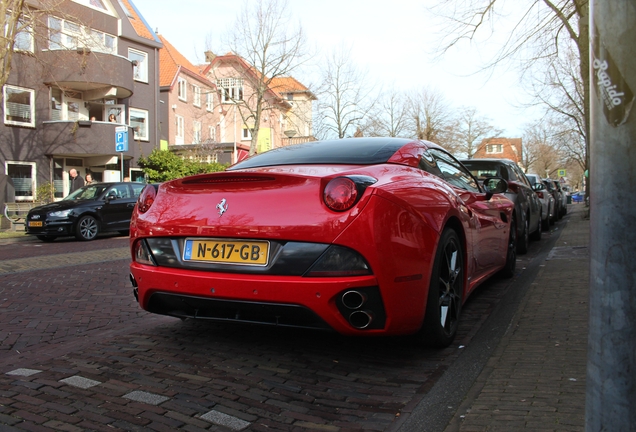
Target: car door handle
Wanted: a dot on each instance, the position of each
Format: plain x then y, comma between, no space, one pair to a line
130,205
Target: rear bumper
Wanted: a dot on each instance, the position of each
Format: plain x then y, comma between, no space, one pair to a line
270,300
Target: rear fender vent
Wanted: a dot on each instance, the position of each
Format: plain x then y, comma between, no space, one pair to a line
226,179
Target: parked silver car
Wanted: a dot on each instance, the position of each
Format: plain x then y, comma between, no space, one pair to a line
546,198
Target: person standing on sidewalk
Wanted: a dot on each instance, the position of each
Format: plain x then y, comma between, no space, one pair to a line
76,180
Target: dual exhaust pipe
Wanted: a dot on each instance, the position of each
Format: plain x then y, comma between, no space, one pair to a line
354,301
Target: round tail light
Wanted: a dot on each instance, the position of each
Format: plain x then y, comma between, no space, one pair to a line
340,194
146,198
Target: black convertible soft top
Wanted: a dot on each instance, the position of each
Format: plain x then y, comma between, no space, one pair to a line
348,151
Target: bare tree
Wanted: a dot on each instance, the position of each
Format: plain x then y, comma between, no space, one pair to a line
265,38
468,132
344,96
431,116
541,31
390,115
13,21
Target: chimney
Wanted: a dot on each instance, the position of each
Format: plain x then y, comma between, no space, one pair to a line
209,56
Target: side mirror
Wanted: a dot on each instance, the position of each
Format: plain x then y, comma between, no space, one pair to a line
111,196
494,185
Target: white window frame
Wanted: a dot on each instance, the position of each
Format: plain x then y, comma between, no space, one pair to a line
209,101
494,148
182,89
196,132
231,89
73,36
6,106
179,137
196,98
140,71
33,179
23,33
246,134
212,133
140,113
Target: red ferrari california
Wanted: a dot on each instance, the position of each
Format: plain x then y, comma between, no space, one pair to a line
364,236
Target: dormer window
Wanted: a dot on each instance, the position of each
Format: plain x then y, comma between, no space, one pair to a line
494,148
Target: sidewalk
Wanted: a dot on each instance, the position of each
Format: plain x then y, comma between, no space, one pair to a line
535,379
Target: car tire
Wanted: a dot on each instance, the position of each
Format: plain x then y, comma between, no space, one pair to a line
46,238
523,240
445,290
87,228
511,252
545,223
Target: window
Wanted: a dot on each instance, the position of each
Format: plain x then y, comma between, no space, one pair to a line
231,89
179,137
197,95
96,4
65,34
23,40
209,102
453,171
247,133
22,175
182,89
140,64
139,123
19,106
212,133
494,148
196,132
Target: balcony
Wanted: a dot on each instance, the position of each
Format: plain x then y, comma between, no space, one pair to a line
97,75
82,138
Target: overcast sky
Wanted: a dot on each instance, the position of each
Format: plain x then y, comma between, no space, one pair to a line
393,40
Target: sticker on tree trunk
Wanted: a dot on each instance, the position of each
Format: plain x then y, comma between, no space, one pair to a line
615,95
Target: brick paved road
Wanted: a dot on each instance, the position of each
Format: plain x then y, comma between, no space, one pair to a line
77,353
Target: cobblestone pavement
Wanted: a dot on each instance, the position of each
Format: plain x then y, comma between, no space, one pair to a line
536,378
77,353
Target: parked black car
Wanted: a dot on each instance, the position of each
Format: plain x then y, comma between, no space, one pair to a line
92,209
527,203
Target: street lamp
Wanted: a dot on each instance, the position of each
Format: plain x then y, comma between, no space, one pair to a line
290,134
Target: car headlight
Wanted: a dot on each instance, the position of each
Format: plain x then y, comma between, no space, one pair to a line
61,213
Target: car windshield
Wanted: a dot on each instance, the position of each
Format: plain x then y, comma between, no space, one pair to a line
89,192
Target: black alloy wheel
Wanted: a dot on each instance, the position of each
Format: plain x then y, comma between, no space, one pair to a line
445,292
511,253
87,228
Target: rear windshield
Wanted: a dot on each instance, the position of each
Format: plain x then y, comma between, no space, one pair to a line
355,151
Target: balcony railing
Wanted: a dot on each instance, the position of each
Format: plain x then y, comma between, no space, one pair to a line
93,138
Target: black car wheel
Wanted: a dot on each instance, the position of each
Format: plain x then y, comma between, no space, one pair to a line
46,238
445,291
87,228
524,239
511,253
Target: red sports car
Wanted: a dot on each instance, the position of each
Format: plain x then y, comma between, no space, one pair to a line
365,236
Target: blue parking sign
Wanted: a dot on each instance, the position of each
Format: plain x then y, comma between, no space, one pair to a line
121,139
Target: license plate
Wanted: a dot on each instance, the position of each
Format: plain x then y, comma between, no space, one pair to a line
227,251
35,224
